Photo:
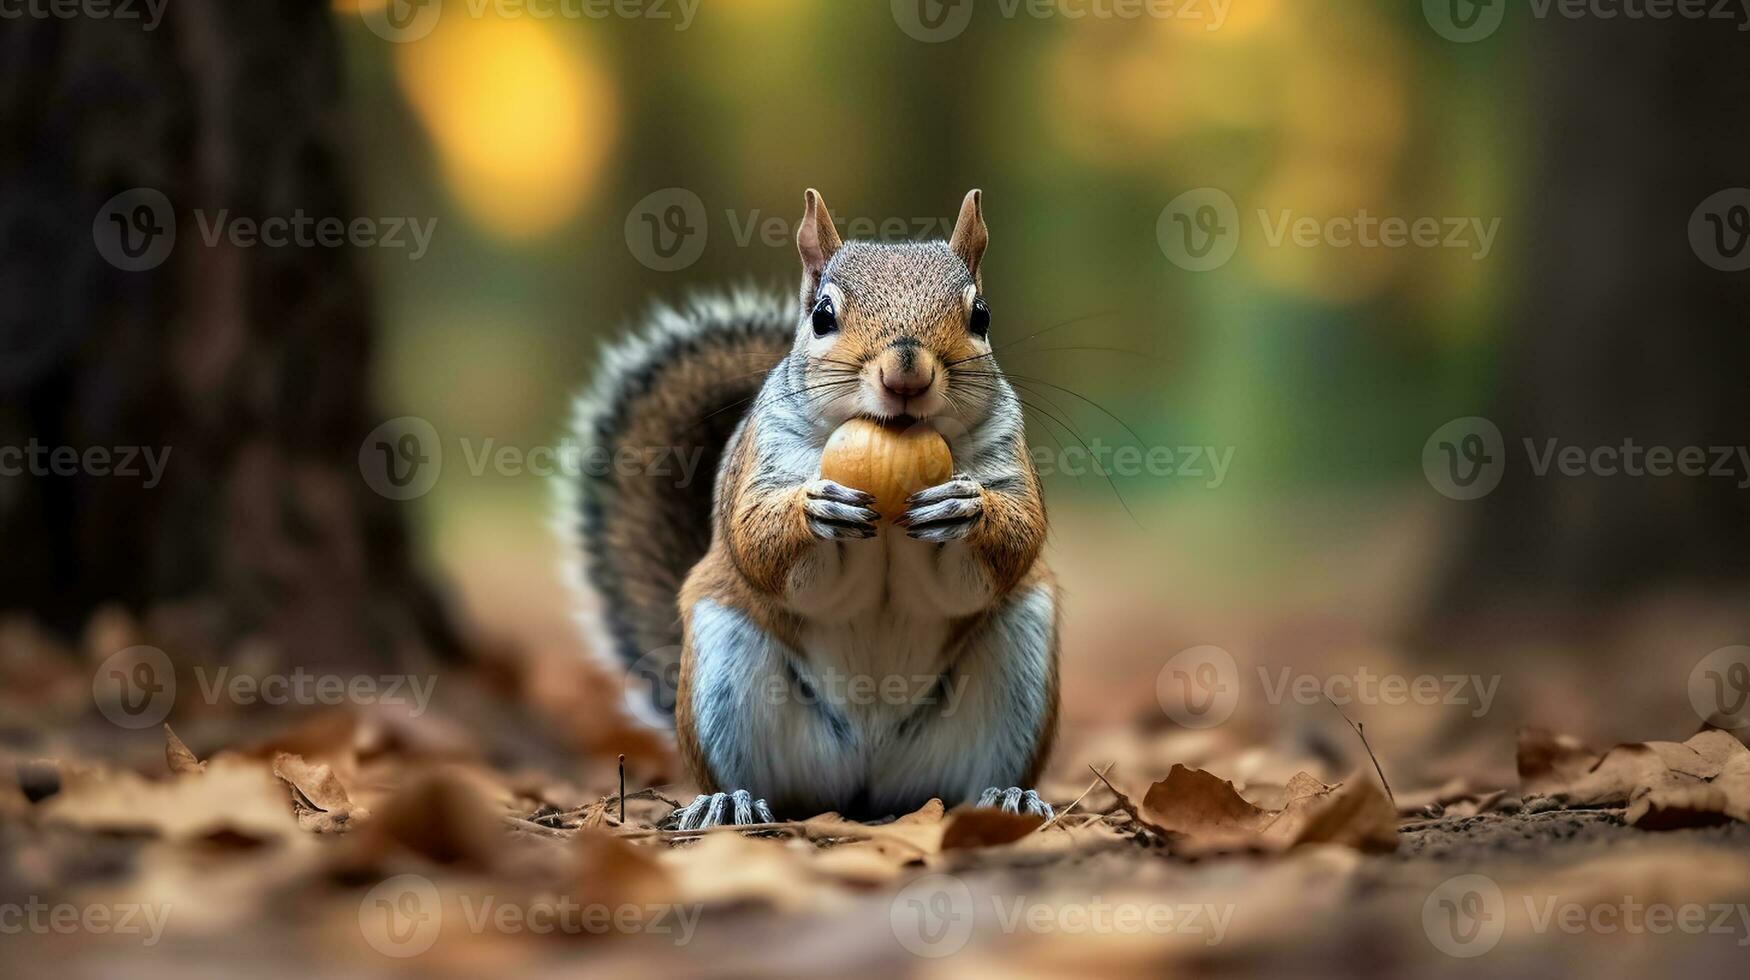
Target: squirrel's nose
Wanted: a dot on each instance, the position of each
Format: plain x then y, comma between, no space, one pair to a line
907,384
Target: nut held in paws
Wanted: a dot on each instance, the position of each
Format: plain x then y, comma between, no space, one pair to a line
888,461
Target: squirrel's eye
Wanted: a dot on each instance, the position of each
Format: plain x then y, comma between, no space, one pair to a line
980,322
826,319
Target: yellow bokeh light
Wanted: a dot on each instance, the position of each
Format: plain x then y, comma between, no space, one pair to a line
521,117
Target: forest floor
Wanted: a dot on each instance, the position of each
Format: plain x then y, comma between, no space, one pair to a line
470,823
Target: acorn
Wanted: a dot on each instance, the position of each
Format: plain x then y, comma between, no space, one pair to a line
890,462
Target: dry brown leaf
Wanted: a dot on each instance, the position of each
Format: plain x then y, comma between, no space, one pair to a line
234,796
1207,814
178,756
1665,785
974,827
1204,809
611,871
730,868
919,831
1677,807
319,800
444,816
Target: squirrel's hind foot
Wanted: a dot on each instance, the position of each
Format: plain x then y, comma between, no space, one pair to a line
709,810
1016,800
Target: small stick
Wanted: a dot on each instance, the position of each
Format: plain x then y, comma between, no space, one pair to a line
1091,787
622,788
1362,735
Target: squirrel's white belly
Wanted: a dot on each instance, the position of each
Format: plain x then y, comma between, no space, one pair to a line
880,639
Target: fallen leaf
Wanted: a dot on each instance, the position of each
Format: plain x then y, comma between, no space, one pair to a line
973,827
443,816
319,800
236,796
178,756
1207,814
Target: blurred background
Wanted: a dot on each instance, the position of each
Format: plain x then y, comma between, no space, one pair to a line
1194,261
1568,304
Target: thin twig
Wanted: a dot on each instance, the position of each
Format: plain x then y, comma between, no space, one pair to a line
531,827
1091,787
1362,735
622,787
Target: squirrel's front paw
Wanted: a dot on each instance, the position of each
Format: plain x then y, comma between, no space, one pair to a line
708,810
945,512
837,513
1016,800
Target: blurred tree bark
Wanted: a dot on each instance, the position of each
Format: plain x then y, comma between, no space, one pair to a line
1619,330
250,366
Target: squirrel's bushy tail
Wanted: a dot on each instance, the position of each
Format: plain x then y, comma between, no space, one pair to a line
652,429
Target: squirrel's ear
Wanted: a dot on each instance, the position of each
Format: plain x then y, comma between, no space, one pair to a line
816,241
970,234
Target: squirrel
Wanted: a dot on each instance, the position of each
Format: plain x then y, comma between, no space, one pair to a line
818,659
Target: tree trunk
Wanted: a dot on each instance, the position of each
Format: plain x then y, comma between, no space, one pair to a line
245,370
1621,330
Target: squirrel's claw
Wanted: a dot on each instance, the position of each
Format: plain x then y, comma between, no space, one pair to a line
1016,800
958,485
707,810
829,490
836,512
946,512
